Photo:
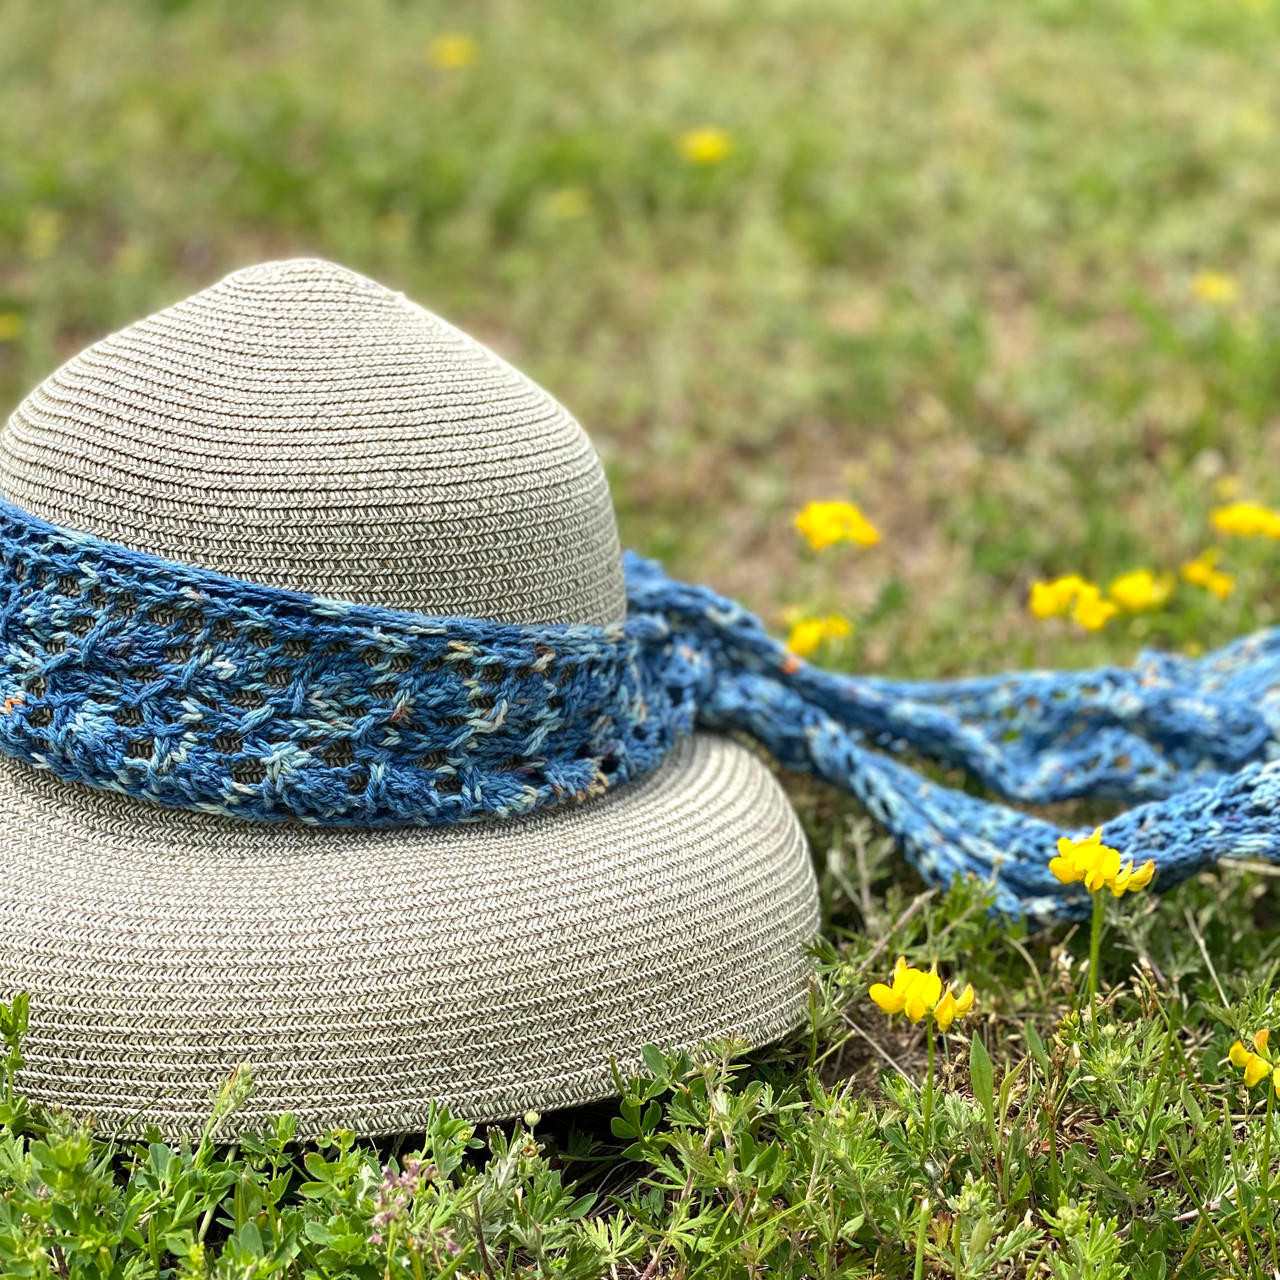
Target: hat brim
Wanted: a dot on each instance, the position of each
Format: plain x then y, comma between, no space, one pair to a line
495,968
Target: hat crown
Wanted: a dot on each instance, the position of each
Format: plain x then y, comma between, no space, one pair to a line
301,426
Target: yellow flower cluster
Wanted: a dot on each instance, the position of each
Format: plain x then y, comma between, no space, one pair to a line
1072,596
1098,866
1141,590
919,994
451,52
826,523
708,145
810,634
1202,572
1256,1063
1248,520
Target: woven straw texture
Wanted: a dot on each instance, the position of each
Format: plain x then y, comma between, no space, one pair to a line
300,426
494,968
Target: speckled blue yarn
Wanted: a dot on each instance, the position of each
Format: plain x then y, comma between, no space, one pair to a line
191,689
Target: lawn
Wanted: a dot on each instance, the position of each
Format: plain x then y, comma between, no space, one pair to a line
1007,277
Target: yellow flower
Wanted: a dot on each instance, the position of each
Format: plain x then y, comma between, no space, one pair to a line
951,1007
1074,856
708,145
1098,866
1130,879
1215,287
1201,572
826,523
1257,1063
1140,589
568,203
919,994
45,228
1072,595
1091,610
1248,520
914,992
809,634
452,51
1055,599
10,326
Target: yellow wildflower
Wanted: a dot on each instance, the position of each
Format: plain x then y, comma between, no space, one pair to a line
1216,287
1201,572
707,145
10,326
826,523
1140,589
1089,860
1055,599
914,992
1130,879
1072,595
1098,866
452,51
809,634
919,994
1256,1063
1091,610
1248,520
951,1007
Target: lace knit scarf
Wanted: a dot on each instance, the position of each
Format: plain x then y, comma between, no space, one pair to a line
191,689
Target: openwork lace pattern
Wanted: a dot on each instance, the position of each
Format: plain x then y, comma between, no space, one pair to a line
187,688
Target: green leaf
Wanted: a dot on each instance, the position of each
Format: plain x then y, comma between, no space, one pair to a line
654,1062
983,1078
316,1232
1036,1046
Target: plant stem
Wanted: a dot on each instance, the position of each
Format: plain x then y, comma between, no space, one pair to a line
918,1271
928,1095
1266,1179
1245,1209
1095,945
1054,1193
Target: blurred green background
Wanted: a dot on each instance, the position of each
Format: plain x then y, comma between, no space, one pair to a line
1005,275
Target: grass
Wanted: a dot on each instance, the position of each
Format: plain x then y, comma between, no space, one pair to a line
947,270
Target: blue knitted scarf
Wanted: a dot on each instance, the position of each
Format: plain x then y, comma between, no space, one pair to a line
187,688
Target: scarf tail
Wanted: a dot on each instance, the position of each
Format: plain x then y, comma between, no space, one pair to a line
1186,741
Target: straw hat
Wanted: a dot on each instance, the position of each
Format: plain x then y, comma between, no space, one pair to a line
300,426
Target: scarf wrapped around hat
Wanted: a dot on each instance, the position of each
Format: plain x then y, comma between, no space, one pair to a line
187,688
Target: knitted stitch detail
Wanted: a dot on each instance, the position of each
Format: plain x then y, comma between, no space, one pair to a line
187,688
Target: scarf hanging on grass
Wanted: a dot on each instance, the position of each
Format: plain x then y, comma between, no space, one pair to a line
188,688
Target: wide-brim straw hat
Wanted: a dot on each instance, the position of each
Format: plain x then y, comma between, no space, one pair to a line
300,426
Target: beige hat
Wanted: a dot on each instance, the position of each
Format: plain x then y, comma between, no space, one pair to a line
302,427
